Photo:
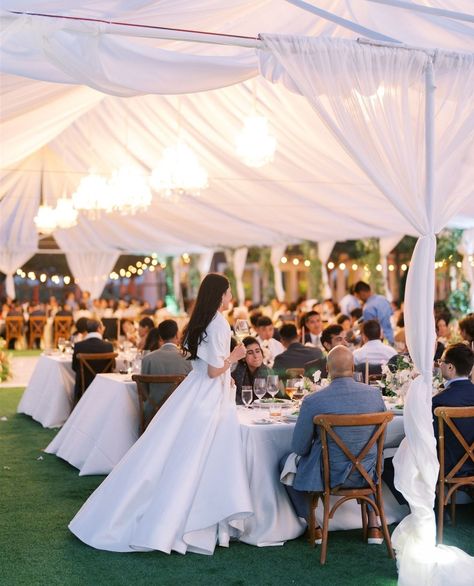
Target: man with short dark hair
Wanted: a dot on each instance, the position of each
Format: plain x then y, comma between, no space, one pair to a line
91,344
375,307
456,365
373,351
296,355
270,347
331,337
313,324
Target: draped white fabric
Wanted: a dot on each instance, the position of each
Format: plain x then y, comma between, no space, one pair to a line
239,258
91,269
386,245
324,252
363,94
467,249
204,262
10,261
178,293
276,252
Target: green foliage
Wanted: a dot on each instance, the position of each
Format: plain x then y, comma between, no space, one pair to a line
268,274
447,244
194,276
315,278
370,255
458,301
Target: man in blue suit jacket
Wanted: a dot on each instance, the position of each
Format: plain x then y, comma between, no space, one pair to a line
342,396
456,365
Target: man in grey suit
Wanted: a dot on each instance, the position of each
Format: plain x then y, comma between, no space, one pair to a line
342,396
168,359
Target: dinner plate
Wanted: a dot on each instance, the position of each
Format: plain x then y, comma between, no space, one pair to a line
395,410
267,403
262,422
291,416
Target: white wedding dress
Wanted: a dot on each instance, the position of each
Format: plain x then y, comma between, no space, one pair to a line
183,486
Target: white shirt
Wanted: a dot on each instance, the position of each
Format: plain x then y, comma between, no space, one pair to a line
93,335
270,348
374,352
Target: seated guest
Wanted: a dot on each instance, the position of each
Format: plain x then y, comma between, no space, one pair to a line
91,344
344,321
250,367
271,347
331,337
456,365
144,326
80,330
296,355
153,340
167,359
466,329
373,351
129,331
313,327
342,396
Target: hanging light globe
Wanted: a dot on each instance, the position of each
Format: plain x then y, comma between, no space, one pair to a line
255,146
93,196
66,214
129,190
179,172
45,220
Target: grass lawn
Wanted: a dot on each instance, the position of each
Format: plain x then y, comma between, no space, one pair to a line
40,494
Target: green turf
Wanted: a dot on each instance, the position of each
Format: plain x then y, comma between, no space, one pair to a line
40,494
21,353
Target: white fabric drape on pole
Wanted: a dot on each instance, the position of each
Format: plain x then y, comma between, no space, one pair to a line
92,269
239,258
10,261
277,251
386,245
204,262
324,252
372,99
466,248
178,294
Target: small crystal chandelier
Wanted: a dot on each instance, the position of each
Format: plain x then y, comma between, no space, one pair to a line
93,196
129,190
255,146
45,219
179,172
66,214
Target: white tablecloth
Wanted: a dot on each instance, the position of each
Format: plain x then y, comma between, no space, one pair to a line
102,427
49,396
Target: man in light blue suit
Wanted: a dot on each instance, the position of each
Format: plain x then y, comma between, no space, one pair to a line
342,396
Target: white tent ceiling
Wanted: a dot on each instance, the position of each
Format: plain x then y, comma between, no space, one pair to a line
54,133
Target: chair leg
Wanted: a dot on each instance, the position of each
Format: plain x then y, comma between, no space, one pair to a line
325,531
383,522
440,514
363,511
312,520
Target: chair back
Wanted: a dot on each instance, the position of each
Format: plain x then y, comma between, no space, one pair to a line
37,325
449,482
294,372
91,364
13,327
62,327
153,391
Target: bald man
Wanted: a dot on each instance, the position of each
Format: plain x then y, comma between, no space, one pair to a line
343,396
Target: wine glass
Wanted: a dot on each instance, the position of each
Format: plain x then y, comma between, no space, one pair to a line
260,388
61,344
272,385
241,329
247,396
68,348
291,387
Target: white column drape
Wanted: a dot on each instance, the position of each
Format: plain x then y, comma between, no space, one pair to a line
373,101
204,262
276,252
466,248
324,252
239,258
10,261
386,245
91,269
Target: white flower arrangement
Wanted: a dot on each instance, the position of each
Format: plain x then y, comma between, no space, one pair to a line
309,386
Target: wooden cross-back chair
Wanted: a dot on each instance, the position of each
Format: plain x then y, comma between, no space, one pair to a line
37,324
150,405
448,482
368,495
294,372
91,364
62,328
13,328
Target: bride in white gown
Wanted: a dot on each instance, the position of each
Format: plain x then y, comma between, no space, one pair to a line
183,485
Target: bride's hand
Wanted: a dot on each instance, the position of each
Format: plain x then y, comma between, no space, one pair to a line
238,353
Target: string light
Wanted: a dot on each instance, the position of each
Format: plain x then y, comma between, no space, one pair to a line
283,260
342,266
307,263
331,265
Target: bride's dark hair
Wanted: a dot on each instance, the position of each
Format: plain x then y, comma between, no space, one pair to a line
209,299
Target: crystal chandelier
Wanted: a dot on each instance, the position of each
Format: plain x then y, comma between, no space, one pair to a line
255,146
93,196
66,214
45,219
129,190
179,172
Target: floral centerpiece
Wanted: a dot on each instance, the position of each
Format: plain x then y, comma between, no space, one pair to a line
309,386
5,366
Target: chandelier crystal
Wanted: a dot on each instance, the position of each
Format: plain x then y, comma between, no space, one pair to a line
179,172
45,220
255,146
93,196
130,190
66,214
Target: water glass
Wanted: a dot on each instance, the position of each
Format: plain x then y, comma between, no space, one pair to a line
247,396
272,384
61,344
260,387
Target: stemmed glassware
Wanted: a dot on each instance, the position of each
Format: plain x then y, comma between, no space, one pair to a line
241,329
260,388
61,344
247,396
272,385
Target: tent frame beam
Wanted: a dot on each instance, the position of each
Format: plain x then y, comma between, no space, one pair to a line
427,9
